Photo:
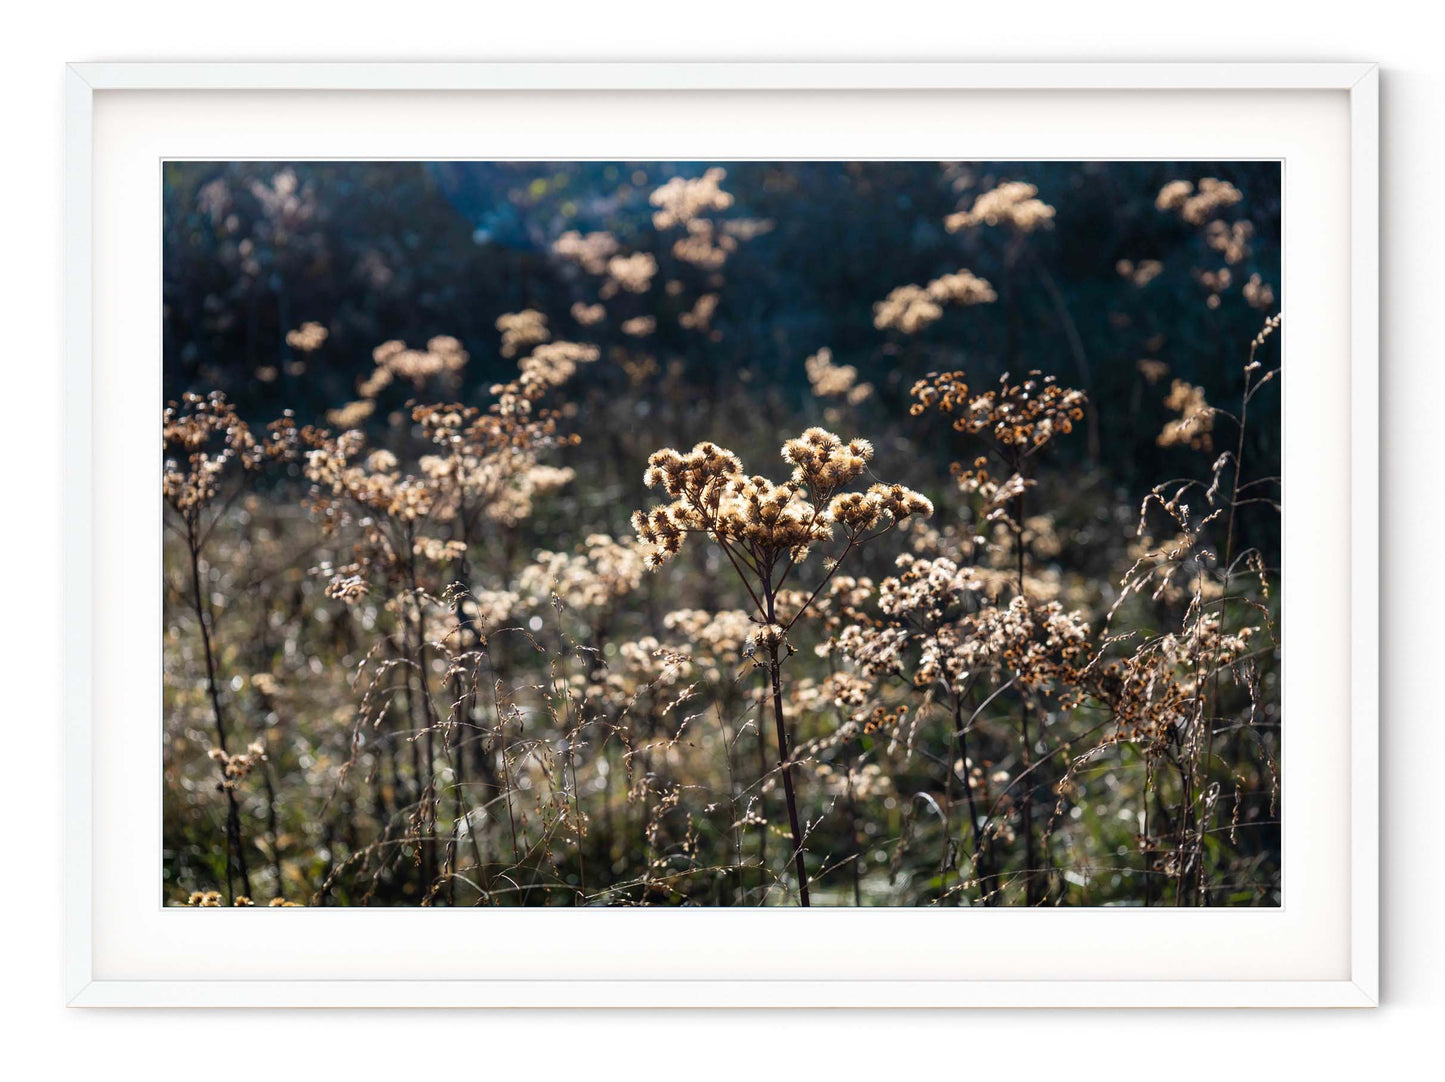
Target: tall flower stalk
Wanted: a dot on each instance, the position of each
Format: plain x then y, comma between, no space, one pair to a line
1014,422
205,442
767,530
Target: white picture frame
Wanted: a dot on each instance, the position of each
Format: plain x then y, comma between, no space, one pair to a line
101,970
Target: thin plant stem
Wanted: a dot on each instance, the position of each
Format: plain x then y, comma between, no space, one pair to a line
785,763
235,847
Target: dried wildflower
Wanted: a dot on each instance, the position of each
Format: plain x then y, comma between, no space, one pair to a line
351,414
699,317
590,251
681,201
1139,274
1230,239
1152,371
704,245
1196,421
590,579
347,588
643,666
235,768
550,365
1173,194
766,529
485,467
932,630
437,550
1023,415
1216,282
374,384
1012,203
1197,206
443,356
522,330
633,273
831,380
910,308
588,315
640,326
719,640
1258,293
962,287
307,338
203,438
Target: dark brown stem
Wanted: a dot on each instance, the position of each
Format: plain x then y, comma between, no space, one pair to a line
235,848
426,791
853,833
272,827
980,849
1026,751
785,763
762,796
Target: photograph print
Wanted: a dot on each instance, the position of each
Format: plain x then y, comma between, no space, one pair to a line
750,533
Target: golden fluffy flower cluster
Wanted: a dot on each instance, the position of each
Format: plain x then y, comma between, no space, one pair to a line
352,414
910,308
202,436
591,578
486,463
699,317
822,463
347,587
1141,273
590,251
1229,239
1216,282
235,768
705,245
1195,422
927,631
1022,415
1014,203
442,355
721,635
522,330
549,365
681,200
880,505
1152,370
1153,694
1258,293
1197,205
632,273
308,338
831,380
588,315
710,494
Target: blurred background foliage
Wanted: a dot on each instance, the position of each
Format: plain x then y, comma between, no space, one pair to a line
407,250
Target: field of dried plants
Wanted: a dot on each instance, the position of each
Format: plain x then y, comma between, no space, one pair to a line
655,592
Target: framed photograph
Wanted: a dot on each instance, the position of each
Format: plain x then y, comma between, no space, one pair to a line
722,535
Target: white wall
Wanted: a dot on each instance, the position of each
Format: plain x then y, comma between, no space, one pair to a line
1218,1046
